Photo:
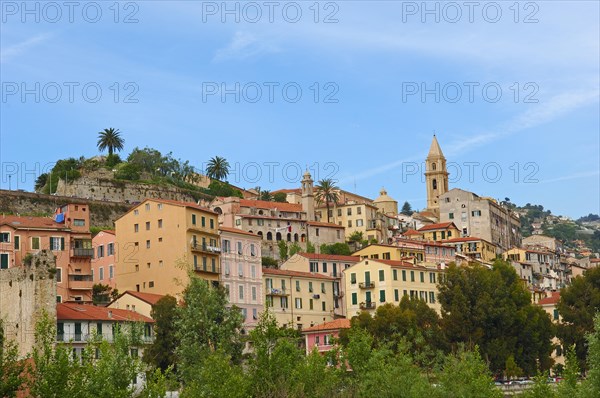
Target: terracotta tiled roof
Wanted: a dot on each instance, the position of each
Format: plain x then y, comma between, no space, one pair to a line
178,203
88,312
442,225
263,204
324,224
108,231
396,263
299,274
464,239
293,190
411,232
427,214
149,298
333,325
330,257
595,260
553,299
31,222
237,231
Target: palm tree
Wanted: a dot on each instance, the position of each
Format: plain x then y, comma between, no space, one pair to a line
266,195
218,168
328,192
110,138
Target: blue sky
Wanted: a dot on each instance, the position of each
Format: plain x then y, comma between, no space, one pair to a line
532,115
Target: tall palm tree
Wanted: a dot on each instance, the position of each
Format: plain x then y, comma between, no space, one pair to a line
327,192
110,138
217,168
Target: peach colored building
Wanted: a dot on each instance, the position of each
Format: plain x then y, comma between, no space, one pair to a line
66,235
103,263
241,272
440,231
139,302
160,241
321,336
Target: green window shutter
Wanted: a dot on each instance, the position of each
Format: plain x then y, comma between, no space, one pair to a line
354,299
381,275
382,296
62,243
396,295
3,261
395,272
404,275
368,297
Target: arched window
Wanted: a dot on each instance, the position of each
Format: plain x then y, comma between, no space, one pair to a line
269,236
259,233
218,210
251,231
295,237
303,238
278,236
434,184
289,237
433,166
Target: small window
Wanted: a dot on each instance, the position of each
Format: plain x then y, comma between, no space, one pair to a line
151,284
78,222
35,243
136,227
147,225
17,242
354,298
381,275
160,223
147,206
193,219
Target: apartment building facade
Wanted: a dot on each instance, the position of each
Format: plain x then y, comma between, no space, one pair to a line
482,217
473,248
374,282
241,273
103,262
159,241
298,299
66,235
326,265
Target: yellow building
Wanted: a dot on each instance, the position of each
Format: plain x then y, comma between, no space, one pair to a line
370,283
160,240
550,305
475,248
139,302
400,251
354,216
440,231
298,299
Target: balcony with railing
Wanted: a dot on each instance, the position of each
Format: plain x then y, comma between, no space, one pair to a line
199,247
82,252
277,292
80,281
213,269
369,305
366,285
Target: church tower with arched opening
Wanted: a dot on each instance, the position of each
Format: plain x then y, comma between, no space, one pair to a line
436,176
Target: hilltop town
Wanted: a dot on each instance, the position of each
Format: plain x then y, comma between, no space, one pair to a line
314,256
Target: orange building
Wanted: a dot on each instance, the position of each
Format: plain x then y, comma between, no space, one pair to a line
67,235
103,263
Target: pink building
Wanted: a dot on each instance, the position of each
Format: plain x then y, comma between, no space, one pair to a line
436,253
321,336
241,272
103,263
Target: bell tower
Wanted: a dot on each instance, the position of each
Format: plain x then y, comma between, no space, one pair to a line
436,176
308,198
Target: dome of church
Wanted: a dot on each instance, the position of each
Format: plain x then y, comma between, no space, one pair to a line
385,203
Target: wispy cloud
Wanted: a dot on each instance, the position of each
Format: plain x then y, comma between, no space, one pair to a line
245,45
573,176
550,110
10,52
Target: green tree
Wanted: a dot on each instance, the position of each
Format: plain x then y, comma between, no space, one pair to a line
310,248
11,367
406,209
476,301
266,196
269,262
283,250
128,171
102,294
591,386
336,248
511,369
578,305
161,353
569,388
465,374
40,182
280,197
205,324
327,192
218,188
217,168
293,249
356,237
110,139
